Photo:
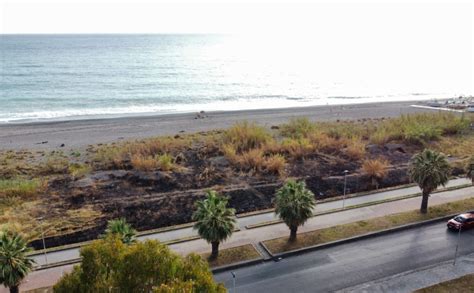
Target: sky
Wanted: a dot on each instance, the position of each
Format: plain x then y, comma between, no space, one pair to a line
227,16
434,35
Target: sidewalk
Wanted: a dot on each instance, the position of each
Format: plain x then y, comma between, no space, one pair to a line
413,280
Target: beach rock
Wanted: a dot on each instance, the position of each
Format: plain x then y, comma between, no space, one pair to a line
374,149
395,147
219,162
83,183
160,181
110,175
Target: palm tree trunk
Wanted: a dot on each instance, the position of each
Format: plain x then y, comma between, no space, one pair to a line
424,202
14,289
293,231
215,249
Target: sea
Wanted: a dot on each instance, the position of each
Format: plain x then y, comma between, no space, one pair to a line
68,77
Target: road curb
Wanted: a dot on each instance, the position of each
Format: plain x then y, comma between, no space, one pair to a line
355,238
237,265
57,264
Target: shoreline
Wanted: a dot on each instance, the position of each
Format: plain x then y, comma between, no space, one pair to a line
78,134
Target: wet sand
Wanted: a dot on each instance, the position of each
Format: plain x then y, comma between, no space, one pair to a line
78,134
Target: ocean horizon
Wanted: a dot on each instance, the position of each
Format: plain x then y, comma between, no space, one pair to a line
86,76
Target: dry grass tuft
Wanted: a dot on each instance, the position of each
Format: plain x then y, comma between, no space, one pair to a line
150,163
355,149
297,128
297,148
376,169
246,136
275,164
20,188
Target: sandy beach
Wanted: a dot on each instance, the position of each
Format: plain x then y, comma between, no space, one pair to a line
77,134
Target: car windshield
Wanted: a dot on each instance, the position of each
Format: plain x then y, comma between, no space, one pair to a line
460,219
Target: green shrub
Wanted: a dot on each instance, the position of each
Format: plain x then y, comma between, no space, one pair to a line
78,170
109,157
165,162
297,148
108,265
421,133
21,188
419,128
297,128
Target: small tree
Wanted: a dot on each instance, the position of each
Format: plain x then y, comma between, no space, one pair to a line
470,169
14,263
294,204
429,169
214,221
108,265
376,170
122,228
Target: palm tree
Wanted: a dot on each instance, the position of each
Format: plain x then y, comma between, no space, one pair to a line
122,228
294,204
14,263
429,169
470,169
214,221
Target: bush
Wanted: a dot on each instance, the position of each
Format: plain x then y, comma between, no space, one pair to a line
297,128
376,169
165,162
297,148
149,163
157,146
346,130
275,164
251,160
246,136
109,157
79,170
108,265
143,155
327,144
355,149
142,163
421,133
420,128
55,164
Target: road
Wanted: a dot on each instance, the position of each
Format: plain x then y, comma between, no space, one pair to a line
275,230
354,263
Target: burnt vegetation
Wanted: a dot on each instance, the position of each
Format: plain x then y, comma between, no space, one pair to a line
155,182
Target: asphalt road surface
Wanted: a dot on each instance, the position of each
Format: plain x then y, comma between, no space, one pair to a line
354,263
